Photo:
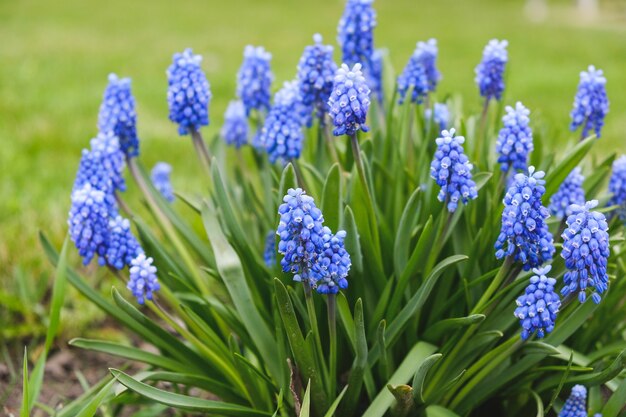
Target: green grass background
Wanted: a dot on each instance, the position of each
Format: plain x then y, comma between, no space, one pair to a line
55,57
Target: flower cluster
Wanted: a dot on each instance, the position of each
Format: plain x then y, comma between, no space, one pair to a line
570,192
333,263
316,72
585,250
117,114
356,32
143,279
617,187
88,223
420,74
452,171
439,114
282,134
515,139
310,251
254,79
490,71
376,75
590,103
160,176
537,308
188,94
576,404
524,233
235,128
349,101
269,251
122,247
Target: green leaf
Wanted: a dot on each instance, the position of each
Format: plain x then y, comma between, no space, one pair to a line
91,408
448,326
352,241
572,158
25,411
403,235
539,402
231,271
404,371
287,180
305,410
183,401
302,355
335,404
540,347
58,295
439,411
616,403
331,199
414,305
420,376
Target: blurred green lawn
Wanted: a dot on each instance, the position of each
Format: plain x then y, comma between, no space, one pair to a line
55,57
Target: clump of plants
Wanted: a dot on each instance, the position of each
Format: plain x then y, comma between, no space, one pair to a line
368,248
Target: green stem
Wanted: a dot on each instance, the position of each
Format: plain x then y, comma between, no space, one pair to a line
310,306
332,332
167,226
323,128
201,150
495,284
299,175
356,154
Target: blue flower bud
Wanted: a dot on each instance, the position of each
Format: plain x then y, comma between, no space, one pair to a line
570,192
160,176
117,114
420,74
515,139
143,279
88,222
591,104
490,71
349,101
254,79
235,128
537,308
122,246
576,404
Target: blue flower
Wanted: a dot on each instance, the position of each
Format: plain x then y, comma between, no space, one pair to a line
617,187
235,128
349,101
301,235
143,279
269,252
490,71
356,32
591,103
524,233
282,134
441,115
420,73
570,192
254,79
452,171
117,114
122,246
585,250
316,72
88,222
160,176
188,94
333,263
576,404
537,308
106,148
375,74
515,139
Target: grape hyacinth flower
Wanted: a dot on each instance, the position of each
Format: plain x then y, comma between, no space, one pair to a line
143,279
585,250
282,134
349,101
570,192
269,252
88,223
452,171
188,94
490,71
254,79
92,171
160,176
117,114
333,263
235,128
537,308
617,187
441,115
106,148
524,233
590,103
515,139
356,32
316,72
301,235
576,404
420,74
122,246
